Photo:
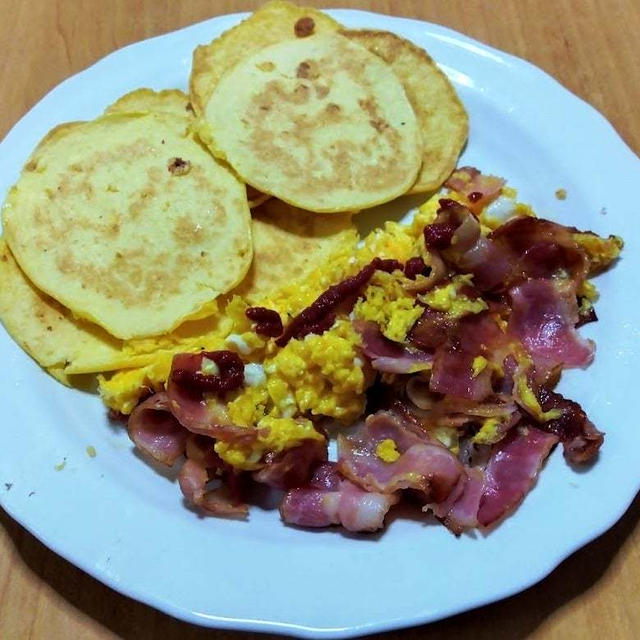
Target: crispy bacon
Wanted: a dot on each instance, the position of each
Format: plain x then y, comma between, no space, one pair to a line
463,514
197,410
438,272
329,499
487,262
431,329
456,233
155,431
512,470
459,511
200,449
543,318
481,333
423,464
539,248
388,356
457,344
452,374
433,410
193,478
292,467
524,247
478,188
585,317
580,438
319,315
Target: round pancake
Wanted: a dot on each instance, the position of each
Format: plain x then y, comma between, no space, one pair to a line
130,223
165,101
288,243
168,101
273,22
318,122
43,327
442,119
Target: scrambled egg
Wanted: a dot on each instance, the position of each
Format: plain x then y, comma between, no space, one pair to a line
322,375
601,251
319,375
488,433
274,435
449,299
386,450
524,395
122,391
386,302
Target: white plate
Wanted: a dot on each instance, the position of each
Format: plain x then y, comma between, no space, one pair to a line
124,523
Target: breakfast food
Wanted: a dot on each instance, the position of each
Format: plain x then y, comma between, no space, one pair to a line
141,100
288,243
442,120
275,21
318,122
442,340
235,344
90,198
43,327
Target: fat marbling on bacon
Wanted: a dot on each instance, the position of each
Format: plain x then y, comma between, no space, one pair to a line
330,499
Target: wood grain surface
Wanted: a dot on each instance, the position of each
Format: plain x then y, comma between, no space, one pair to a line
591,46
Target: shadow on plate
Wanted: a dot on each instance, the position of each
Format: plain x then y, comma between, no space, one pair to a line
515,618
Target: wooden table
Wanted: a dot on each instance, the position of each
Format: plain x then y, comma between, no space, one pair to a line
590,46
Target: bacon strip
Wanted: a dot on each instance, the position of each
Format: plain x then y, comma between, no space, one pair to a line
155,431
544,319
471,252
332,500
524,247
196,409
452,374
539,248
459,511
431,329
423,465
386,355
463,514
292,467
478,188
512,470
218,502
580,438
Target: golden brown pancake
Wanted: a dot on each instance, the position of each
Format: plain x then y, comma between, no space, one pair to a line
273,22
129,222
442,119
318,122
